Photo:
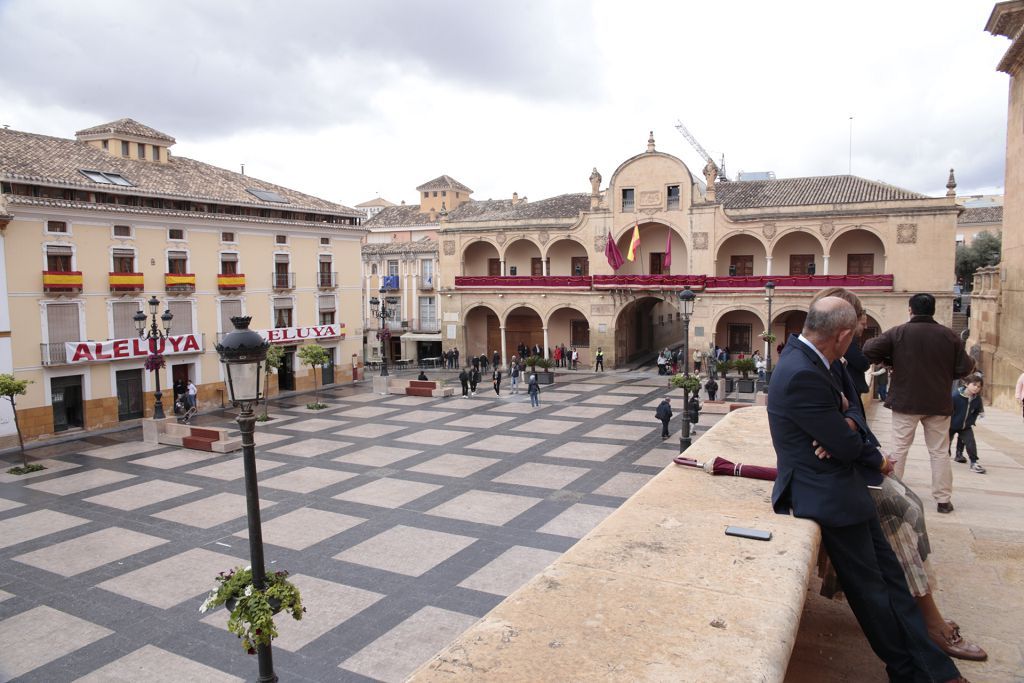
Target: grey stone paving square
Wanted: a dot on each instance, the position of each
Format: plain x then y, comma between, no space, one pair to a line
304,527
434,437
634,390
411,401
542,476
582,450
307,479
377,456
372,430
232,469
210,511
388,493
406,550
423,417
578,387
50,465
485,507
623,484
581,411
322,411
266,438
507,572
623,432
608,399
82,481
150,663
309,448
90,551
646,415
400,651
367,411
4,595
542,426
335,603
556,396
657,457
502,443
452,465
474,403
124,450
577,521
167,583
479,421
364,398
140,495
42,635
177,458
313,424
32,525
6,505
517,406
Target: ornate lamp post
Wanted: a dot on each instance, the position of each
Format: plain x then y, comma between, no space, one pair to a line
686,300
769,291
383,309
154,335
243,352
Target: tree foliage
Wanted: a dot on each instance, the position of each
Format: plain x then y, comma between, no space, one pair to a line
316,357
984,250
10,387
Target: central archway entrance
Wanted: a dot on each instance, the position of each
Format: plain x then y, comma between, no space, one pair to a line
643,327
522,326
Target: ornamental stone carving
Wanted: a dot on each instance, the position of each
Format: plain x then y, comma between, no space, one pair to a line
827,229
602,309
449,247
544,237
599,243
700,240
501,238
906,233
649,198
769,230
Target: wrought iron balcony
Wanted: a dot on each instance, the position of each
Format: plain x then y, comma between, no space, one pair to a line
180,282
326,280
283,280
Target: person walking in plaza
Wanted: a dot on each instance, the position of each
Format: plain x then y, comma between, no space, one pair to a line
926,358
533,389
881,375
664,413
698,357
599,360
693,408
711,386
464,381
496,358
967,408
496,379
513,373
474,380
558,357
807,409
192,394
575,359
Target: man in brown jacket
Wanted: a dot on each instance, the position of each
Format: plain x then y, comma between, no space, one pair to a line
926,358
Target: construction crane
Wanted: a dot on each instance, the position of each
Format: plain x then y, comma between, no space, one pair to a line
700,149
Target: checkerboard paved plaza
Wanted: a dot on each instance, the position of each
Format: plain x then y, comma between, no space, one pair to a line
402,520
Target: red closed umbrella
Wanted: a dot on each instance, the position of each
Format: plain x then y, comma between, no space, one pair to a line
723,466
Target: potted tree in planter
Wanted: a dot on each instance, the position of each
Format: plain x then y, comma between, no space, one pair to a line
544,376
722,367
316,357
252,611
745,366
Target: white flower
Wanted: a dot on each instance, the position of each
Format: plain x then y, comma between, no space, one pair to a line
206,605
248,590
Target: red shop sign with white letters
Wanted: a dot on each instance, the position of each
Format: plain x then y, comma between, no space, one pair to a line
285,335
123,349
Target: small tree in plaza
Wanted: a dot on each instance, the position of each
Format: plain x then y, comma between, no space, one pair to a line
315,356
275,356
10,387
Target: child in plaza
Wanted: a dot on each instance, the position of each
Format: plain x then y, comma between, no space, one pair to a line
712,388
967,407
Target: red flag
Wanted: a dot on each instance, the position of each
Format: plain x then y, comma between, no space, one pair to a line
668,250
612,253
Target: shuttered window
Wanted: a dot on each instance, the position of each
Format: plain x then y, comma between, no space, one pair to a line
124,323
228,309
62,322
177,263
124,261
58,259
280,258
326,302
182,312
229,264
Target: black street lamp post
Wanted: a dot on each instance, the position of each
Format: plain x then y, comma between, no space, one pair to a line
243,352
383,309
769,290
154,335
686,300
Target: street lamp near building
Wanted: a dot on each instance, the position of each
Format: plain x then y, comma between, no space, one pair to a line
769,291
154,335
686,301
383,309
243,353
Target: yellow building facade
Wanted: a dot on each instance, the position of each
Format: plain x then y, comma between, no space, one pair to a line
93,227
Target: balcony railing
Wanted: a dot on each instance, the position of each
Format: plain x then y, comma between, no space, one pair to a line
427,282
884,282
283,280
126,282
180,282
572,281
230,281
425,325
326,280
648,281
60,281
627,205
55,353
697,282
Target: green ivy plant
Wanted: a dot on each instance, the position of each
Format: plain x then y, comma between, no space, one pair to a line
689,382
252,611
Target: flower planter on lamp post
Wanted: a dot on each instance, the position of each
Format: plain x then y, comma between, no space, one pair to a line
154,335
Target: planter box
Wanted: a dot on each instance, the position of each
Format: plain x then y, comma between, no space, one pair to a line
730,385
544,377
745,386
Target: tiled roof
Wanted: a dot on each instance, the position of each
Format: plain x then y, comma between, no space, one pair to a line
405,215
379,201
444,182
127,127
420,246
984,214
833,189
562,206
31,158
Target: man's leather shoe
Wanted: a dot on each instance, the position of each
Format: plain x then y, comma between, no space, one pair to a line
945,507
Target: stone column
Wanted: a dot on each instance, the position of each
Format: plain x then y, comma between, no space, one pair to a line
502,266
503,346
824,264
544,267
767,265
545,349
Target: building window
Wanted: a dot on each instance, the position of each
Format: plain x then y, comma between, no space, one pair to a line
860,264
106,144
123,314
229,308
156,153
658,264
673,197
122,231
579,333
741,265
801,264
124,149
177,262
142,151
428,312
175,234
325,241
373,269
56,227
393,268
282,312
435,193
427,271
124,260
444,193
627,199
426,194
182,321
62,326
229,265
327,309
227,237
281,239
58,259
739,338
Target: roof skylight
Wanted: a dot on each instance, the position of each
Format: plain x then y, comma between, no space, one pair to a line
107,178
267,195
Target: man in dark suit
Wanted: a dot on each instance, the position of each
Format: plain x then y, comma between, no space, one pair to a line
806,410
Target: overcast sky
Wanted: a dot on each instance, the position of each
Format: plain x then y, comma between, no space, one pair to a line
350,100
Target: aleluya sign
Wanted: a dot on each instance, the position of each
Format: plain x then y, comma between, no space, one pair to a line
285,335
123,349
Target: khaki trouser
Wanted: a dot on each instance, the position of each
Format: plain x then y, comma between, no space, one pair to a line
936,438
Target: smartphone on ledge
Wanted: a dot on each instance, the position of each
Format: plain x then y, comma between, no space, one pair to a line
756,534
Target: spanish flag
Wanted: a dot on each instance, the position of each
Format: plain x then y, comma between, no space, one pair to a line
634,244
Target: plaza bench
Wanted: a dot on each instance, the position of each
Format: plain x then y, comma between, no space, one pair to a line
172,433
657,591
